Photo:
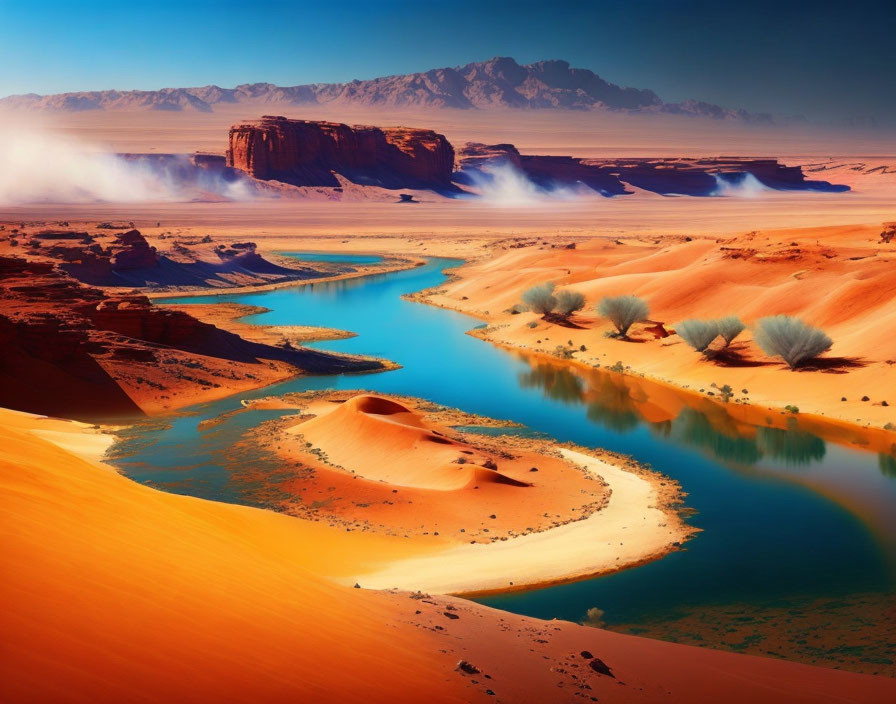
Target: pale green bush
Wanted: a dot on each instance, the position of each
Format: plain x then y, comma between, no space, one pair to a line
791,339
568,302
623,311
699,334
730,327
541,299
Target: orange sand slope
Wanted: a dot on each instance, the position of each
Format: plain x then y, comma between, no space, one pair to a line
629,530
382,440
115,592
837,278
508,513
395,465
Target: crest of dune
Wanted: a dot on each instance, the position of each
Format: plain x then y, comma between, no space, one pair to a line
382,440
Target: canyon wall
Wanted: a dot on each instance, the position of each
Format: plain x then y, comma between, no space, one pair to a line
309,153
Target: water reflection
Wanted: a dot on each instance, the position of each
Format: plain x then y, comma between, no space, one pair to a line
694,428
622,403
887,464
612,403
557,383
793,446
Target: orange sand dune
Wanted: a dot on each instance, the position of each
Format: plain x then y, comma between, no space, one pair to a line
503,523
382,440
385,464
114,592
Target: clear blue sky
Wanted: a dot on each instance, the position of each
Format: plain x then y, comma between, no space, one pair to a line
827,60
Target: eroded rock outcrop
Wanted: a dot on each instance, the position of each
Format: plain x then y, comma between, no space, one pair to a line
130,250
73,350
310,153
125,258
610,177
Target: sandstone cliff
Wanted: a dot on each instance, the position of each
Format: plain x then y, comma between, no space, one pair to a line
308,153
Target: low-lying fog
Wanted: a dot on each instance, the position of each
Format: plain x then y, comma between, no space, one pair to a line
40,166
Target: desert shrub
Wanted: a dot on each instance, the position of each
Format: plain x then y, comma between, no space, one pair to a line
563,352
532,324
518,308
730,327
791,339
568,302
594,617
623,311
698,333
541,299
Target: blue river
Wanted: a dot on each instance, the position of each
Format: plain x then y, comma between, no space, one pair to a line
786,517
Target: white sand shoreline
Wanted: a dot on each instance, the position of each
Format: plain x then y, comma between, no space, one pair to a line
628,531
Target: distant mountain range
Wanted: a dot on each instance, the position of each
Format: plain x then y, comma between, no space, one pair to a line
498,83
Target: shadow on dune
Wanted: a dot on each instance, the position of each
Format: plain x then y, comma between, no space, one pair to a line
735,358
833,365
77,387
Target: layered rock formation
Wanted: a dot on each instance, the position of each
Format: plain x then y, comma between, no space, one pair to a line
318,154
127,259
71,350
609,177
308,153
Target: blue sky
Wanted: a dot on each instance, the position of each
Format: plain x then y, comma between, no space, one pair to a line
822,59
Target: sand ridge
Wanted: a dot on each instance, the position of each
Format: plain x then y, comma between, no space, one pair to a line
384,441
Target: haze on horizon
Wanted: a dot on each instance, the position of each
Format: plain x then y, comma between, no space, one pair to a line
828,63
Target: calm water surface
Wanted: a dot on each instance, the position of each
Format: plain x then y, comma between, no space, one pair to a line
334,257
786,518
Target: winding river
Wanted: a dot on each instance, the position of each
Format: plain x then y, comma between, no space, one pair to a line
797,532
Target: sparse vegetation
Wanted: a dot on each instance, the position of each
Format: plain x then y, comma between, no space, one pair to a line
564,352
541,299
730,327
699,334
792,409
569,302
623,312
791,339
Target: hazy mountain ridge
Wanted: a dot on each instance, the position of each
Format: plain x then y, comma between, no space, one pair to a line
498,83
